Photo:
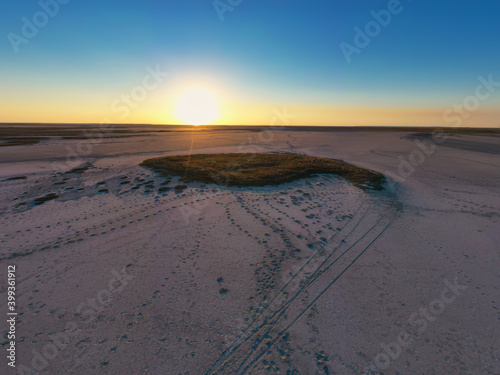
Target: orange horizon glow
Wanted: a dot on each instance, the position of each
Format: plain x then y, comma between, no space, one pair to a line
228,106
251,114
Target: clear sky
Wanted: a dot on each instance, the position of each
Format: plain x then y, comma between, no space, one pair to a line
417,63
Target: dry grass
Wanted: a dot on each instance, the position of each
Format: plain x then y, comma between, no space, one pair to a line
259,169
18,142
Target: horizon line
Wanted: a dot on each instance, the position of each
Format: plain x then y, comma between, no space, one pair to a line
255,125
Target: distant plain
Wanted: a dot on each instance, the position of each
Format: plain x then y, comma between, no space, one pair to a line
309,276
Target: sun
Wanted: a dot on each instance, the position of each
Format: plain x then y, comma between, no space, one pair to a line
197,106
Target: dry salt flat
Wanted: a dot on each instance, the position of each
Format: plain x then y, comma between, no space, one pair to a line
121,270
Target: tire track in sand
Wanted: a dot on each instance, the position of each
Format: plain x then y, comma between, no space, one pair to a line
271,320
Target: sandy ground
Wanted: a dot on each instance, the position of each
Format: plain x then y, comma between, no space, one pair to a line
122,273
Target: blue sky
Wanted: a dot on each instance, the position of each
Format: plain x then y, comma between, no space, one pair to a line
267,53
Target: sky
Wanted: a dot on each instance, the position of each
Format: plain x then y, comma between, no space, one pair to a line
322,62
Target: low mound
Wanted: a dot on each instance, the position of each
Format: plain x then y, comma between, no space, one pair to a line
259,169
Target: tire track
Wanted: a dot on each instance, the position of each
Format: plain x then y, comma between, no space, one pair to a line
274,323
306,281
271,321
280,334
283,293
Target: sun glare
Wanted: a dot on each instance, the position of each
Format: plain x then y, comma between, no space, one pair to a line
197,107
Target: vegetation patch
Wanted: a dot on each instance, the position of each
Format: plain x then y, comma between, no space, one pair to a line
259,169
44,199
18,142
79,170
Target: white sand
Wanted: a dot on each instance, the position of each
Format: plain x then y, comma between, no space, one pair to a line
317,275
